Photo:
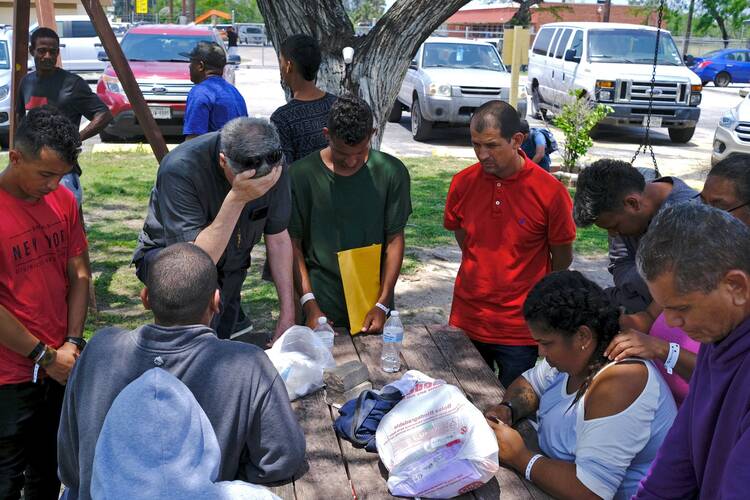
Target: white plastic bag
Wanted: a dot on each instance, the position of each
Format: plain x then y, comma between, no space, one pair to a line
300,357
434,442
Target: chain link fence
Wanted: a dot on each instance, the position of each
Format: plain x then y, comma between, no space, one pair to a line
697,47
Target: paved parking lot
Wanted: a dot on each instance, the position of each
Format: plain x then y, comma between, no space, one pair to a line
258,81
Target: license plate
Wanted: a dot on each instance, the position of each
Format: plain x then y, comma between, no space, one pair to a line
161,112
655,121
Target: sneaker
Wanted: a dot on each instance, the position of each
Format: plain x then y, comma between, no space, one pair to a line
242,327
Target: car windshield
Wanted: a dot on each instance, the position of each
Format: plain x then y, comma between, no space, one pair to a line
142,47
461,55
632,46
4,58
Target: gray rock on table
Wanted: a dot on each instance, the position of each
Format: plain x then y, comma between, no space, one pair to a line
346,376
338,399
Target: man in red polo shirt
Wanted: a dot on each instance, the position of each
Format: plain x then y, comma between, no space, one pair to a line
514,224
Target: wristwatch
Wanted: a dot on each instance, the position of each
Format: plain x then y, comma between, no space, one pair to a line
77,341
512,411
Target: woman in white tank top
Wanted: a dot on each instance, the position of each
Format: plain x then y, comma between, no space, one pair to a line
600,423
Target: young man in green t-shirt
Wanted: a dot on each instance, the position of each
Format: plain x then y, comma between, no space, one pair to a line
343,197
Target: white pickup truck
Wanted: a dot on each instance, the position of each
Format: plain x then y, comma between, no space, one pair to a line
447,80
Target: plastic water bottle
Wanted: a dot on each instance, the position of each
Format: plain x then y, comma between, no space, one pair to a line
325,332
393,335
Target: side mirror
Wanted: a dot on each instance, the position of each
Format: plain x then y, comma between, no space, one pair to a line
234,59
689,60
744,92
102,56
413,65
570,55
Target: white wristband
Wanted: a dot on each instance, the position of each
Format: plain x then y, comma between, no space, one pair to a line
672,357
306,298
382,307
531,464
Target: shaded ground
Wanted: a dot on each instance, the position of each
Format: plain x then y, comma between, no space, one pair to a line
424,296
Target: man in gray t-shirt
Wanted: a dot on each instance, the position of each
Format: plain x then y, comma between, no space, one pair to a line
615,196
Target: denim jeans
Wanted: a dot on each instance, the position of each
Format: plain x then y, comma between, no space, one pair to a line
29,417
510,360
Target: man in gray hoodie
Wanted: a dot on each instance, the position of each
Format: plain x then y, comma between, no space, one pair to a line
235,383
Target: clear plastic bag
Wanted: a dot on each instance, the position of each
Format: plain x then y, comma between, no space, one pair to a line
300,357
435,443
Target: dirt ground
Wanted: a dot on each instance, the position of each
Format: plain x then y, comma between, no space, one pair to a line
424,297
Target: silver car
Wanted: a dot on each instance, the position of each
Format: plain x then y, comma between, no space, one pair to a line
447,80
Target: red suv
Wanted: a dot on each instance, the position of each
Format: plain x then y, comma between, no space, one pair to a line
163,75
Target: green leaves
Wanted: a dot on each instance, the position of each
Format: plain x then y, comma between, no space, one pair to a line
576,120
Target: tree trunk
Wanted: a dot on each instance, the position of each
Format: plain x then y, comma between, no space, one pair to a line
381,57
522,17
688,29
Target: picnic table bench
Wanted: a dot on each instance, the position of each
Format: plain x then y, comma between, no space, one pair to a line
334,469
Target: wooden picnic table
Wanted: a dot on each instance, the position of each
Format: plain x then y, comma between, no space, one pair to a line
337,470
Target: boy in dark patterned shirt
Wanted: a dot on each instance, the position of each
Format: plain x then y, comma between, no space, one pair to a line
300,122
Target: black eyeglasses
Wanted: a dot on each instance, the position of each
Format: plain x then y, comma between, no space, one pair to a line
728,210
255,162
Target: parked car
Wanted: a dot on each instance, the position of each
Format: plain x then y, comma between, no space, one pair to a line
733,133
163,76
447,80
613,64
723,67
252,34
6,76
79,44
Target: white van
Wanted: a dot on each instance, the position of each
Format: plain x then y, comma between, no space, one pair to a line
613,64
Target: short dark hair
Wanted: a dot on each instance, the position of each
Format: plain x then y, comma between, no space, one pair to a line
498,115
566,300
43,32
181,282
524,127
736,169
602,186
699,244
47,127
304,52
350,119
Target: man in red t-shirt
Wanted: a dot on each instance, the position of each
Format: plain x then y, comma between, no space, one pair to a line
514,224
44,283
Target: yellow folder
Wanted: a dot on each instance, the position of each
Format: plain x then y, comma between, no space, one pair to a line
360,275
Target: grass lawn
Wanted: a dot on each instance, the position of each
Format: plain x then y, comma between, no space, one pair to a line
117,187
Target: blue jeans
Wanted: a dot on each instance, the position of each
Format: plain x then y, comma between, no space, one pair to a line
510,360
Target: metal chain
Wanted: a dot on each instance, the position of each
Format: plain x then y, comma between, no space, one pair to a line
646,145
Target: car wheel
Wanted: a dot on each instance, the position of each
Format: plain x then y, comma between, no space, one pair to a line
722,79
681,135
395,114
420,127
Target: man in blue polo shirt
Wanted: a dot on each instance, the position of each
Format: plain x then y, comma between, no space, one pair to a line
213,101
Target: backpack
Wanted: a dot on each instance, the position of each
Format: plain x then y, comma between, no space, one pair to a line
550,139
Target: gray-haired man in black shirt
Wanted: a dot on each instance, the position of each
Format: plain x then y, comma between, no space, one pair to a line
207,192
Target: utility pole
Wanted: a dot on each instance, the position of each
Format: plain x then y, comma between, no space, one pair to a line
688,29
605,11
